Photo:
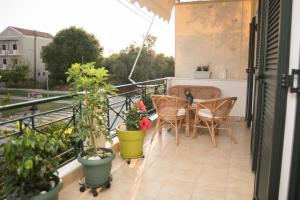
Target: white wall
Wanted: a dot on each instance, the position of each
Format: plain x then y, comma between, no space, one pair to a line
235,88
214,33
28,54
291,106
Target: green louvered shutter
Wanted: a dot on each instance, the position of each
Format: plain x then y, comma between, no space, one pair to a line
258,84
273,97
250,71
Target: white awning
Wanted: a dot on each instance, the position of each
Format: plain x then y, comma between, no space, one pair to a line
162,8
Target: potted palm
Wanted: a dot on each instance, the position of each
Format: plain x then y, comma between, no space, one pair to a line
131,134
92,123
29,165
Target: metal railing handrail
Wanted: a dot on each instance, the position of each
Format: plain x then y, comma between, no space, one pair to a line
36,102
63,97
36,115
141,83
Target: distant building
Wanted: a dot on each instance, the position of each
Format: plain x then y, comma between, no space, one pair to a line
23,46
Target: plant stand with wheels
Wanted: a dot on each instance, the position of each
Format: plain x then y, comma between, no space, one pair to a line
128,160
84,186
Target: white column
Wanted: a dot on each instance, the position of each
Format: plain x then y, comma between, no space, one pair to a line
291,106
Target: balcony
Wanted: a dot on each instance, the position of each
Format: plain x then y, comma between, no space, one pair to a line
3,52
13,52
9,52
3,67
194,169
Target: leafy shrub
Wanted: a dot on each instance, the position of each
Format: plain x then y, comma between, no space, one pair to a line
55,129
136,117
16,74
29,164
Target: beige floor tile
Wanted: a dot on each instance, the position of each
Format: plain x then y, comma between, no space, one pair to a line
185,175
209,193
238,194
213,180
176,190
240,185
116,195
145,189
215,170
159,174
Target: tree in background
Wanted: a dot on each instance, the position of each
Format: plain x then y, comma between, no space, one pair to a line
69,46
149,66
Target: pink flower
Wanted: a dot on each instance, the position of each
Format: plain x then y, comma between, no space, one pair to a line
142,106
145,123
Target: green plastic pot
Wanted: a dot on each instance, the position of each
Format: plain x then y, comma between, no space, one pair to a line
97,172
131,142
51,195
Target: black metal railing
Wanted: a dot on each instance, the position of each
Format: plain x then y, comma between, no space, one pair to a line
128,94
39,121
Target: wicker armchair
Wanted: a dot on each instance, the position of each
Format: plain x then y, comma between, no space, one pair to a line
212,113
171,112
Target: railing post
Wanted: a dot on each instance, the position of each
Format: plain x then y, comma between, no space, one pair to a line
21,127
33,109
165,86
74,115
127,103
79,144
107,115
32,123
156,89
144,91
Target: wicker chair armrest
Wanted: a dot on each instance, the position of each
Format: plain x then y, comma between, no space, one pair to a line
209,104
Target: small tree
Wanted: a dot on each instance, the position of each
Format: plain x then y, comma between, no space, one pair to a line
72,45
93,119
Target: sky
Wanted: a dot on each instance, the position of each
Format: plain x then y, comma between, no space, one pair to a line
114,22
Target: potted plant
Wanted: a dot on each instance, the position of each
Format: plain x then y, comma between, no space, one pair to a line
188,95
92,122
202,72
131,134
29,164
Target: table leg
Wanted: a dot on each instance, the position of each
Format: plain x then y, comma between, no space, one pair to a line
187,124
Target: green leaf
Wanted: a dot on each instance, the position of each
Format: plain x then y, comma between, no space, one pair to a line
19,170
28,164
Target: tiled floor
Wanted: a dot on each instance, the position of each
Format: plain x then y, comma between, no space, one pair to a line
194,170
